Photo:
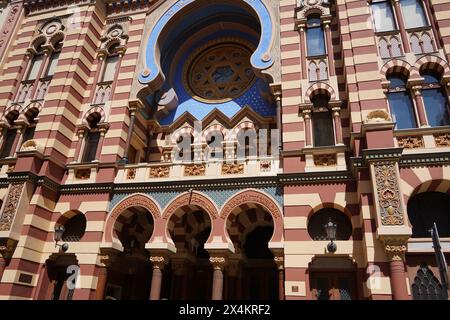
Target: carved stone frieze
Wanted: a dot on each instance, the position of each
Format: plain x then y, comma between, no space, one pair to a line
10,208
232,168
160,172
410,142
195,170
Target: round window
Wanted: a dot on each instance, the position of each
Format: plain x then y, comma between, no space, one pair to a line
220,72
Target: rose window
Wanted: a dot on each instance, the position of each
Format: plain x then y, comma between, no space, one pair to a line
219,73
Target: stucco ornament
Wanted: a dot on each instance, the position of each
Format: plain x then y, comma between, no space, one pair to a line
378,116
10,208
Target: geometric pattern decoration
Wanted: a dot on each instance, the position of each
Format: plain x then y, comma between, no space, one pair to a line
219,196
220,73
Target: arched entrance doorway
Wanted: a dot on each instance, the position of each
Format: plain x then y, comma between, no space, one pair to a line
129,275
189,272
252,273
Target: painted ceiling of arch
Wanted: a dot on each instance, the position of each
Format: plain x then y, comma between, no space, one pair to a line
227,86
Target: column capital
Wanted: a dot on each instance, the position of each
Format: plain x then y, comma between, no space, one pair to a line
159,261
6,251
218,262
279,261
417,90
395,252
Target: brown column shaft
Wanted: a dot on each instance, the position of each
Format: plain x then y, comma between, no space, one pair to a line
281,284
100,144
101,283
420,107
398,280
155,291
217,291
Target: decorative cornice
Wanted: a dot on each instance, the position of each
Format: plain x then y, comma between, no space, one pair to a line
388,154
314,177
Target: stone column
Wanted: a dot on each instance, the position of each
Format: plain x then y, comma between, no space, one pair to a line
307,118
218,263
395,252
279,260
337,124
329,43
401,26
417,91
158,265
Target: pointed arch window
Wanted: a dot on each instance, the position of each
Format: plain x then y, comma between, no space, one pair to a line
315,38
435,100
426,286
400,103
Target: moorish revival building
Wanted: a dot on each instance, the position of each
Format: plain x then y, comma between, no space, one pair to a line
195,149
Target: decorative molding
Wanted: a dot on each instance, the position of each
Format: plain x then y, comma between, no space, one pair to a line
191,199
411,142
160,172
131,173
325,160
195,170
137,200
251,196
442,140
82,174
232,168
386,182
265,165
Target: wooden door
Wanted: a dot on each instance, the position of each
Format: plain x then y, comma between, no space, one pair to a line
332,286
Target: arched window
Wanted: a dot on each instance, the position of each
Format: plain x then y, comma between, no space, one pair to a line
435,100
318,220
427,208
10,135
400,103
383,16
426,286
74,228
315,36
92,139
413,13
322,122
